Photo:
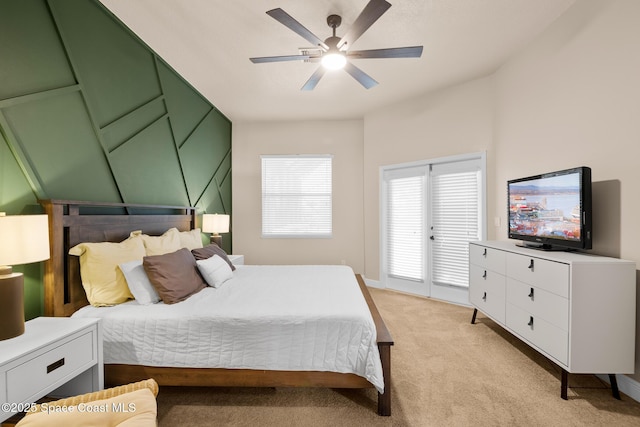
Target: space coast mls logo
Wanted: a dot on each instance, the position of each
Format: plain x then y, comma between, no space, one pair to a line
119,407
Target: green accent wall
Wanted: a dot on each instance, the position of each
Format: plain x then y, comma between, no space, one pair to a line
89,112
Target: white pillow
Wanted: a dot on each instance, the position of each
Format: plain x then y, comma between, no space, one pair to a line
215,270
138,282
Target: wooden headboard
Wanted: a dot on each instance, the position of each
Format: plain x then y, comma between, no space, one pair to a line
73,222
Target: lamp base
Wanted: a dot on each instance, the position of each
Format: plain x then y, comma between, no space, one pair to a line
217,239
11,305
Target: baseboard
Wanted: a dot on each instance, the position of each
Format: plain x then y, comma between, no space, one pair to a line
627,385
374,283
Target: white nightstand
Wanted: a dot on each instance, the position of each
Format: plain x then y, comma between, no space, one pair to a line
60,356
236,259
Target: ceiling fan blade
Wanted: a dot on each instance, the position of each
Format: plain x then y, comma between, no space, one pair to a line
394,52
314,79
370,14
263,59
363,78
288,21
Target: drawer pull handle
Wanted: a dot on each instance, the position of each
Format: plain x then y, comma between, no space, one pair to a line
55,365
484,254
484,297
531,294
530,265
530,322
484,275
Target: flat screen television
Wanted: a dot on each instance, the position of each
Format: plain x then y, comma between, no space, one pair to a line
552,210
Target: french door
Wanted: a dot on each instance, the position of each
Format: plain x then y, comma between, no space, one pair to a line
404,225
430,212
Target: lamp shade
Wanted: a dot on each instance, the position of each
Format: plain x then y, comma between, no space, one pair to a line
214,223
25,239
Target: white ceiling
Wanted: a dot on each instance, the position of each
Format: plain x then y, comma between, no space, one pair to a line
209,42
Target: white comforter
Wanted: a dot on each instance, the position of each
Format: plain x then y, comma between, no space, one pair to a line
293,318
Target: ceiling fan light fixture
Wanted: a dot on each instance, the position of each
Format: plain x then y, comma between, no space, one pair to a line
332,53
334,61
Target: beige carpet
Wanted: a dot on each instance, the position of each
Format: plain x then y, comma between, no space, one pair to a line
445,372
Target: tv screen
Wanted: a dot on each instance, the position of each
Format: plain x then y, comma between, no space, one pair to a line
552,209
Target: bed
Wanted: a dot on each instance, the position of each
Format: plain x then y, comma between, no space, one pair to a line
73,222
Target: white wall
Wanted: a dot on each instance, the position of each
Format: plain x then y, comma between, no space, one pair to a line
452,121
572,98
343,139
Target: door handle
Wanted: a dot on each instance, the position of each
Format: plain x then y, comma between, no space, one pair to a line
530,322
530,265
531,294
484,275
484,297
484,254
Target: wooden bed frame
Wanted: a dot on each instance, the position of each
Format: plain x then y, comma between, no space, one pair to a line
73,222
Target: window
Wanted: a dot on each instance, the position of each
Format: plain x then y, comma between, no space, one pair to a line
296,196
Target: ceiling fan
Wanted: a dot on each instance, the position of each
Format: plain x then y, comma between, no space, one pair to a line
334,52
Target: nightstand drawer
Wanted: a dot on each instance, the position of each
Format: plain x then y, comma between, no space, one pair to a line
51,367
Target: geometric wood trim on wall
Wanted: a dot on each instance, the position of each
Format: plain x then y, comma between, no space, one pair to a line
91,113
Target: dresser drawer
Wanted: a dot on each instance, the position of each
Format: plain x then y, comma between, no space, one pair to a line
541,273
539,333
48,368
489,258
487,292
540,303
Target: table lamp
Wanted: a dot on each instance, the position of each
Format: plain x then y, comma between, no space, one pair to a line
23,239
214,223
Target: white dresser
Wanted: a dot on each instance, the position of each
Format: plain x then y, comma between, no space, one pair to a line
577,309
60,356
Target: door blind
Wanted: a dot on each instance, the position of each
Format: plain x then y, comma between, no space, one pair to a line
455,222
405,227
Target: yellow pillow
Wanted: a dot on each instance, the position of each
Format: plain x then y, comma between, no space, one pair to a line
160,245
191,239
136,408
99,270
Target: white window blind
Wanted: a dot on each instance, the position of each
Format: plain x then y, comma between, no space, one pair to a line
405,225
296,196
455,221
